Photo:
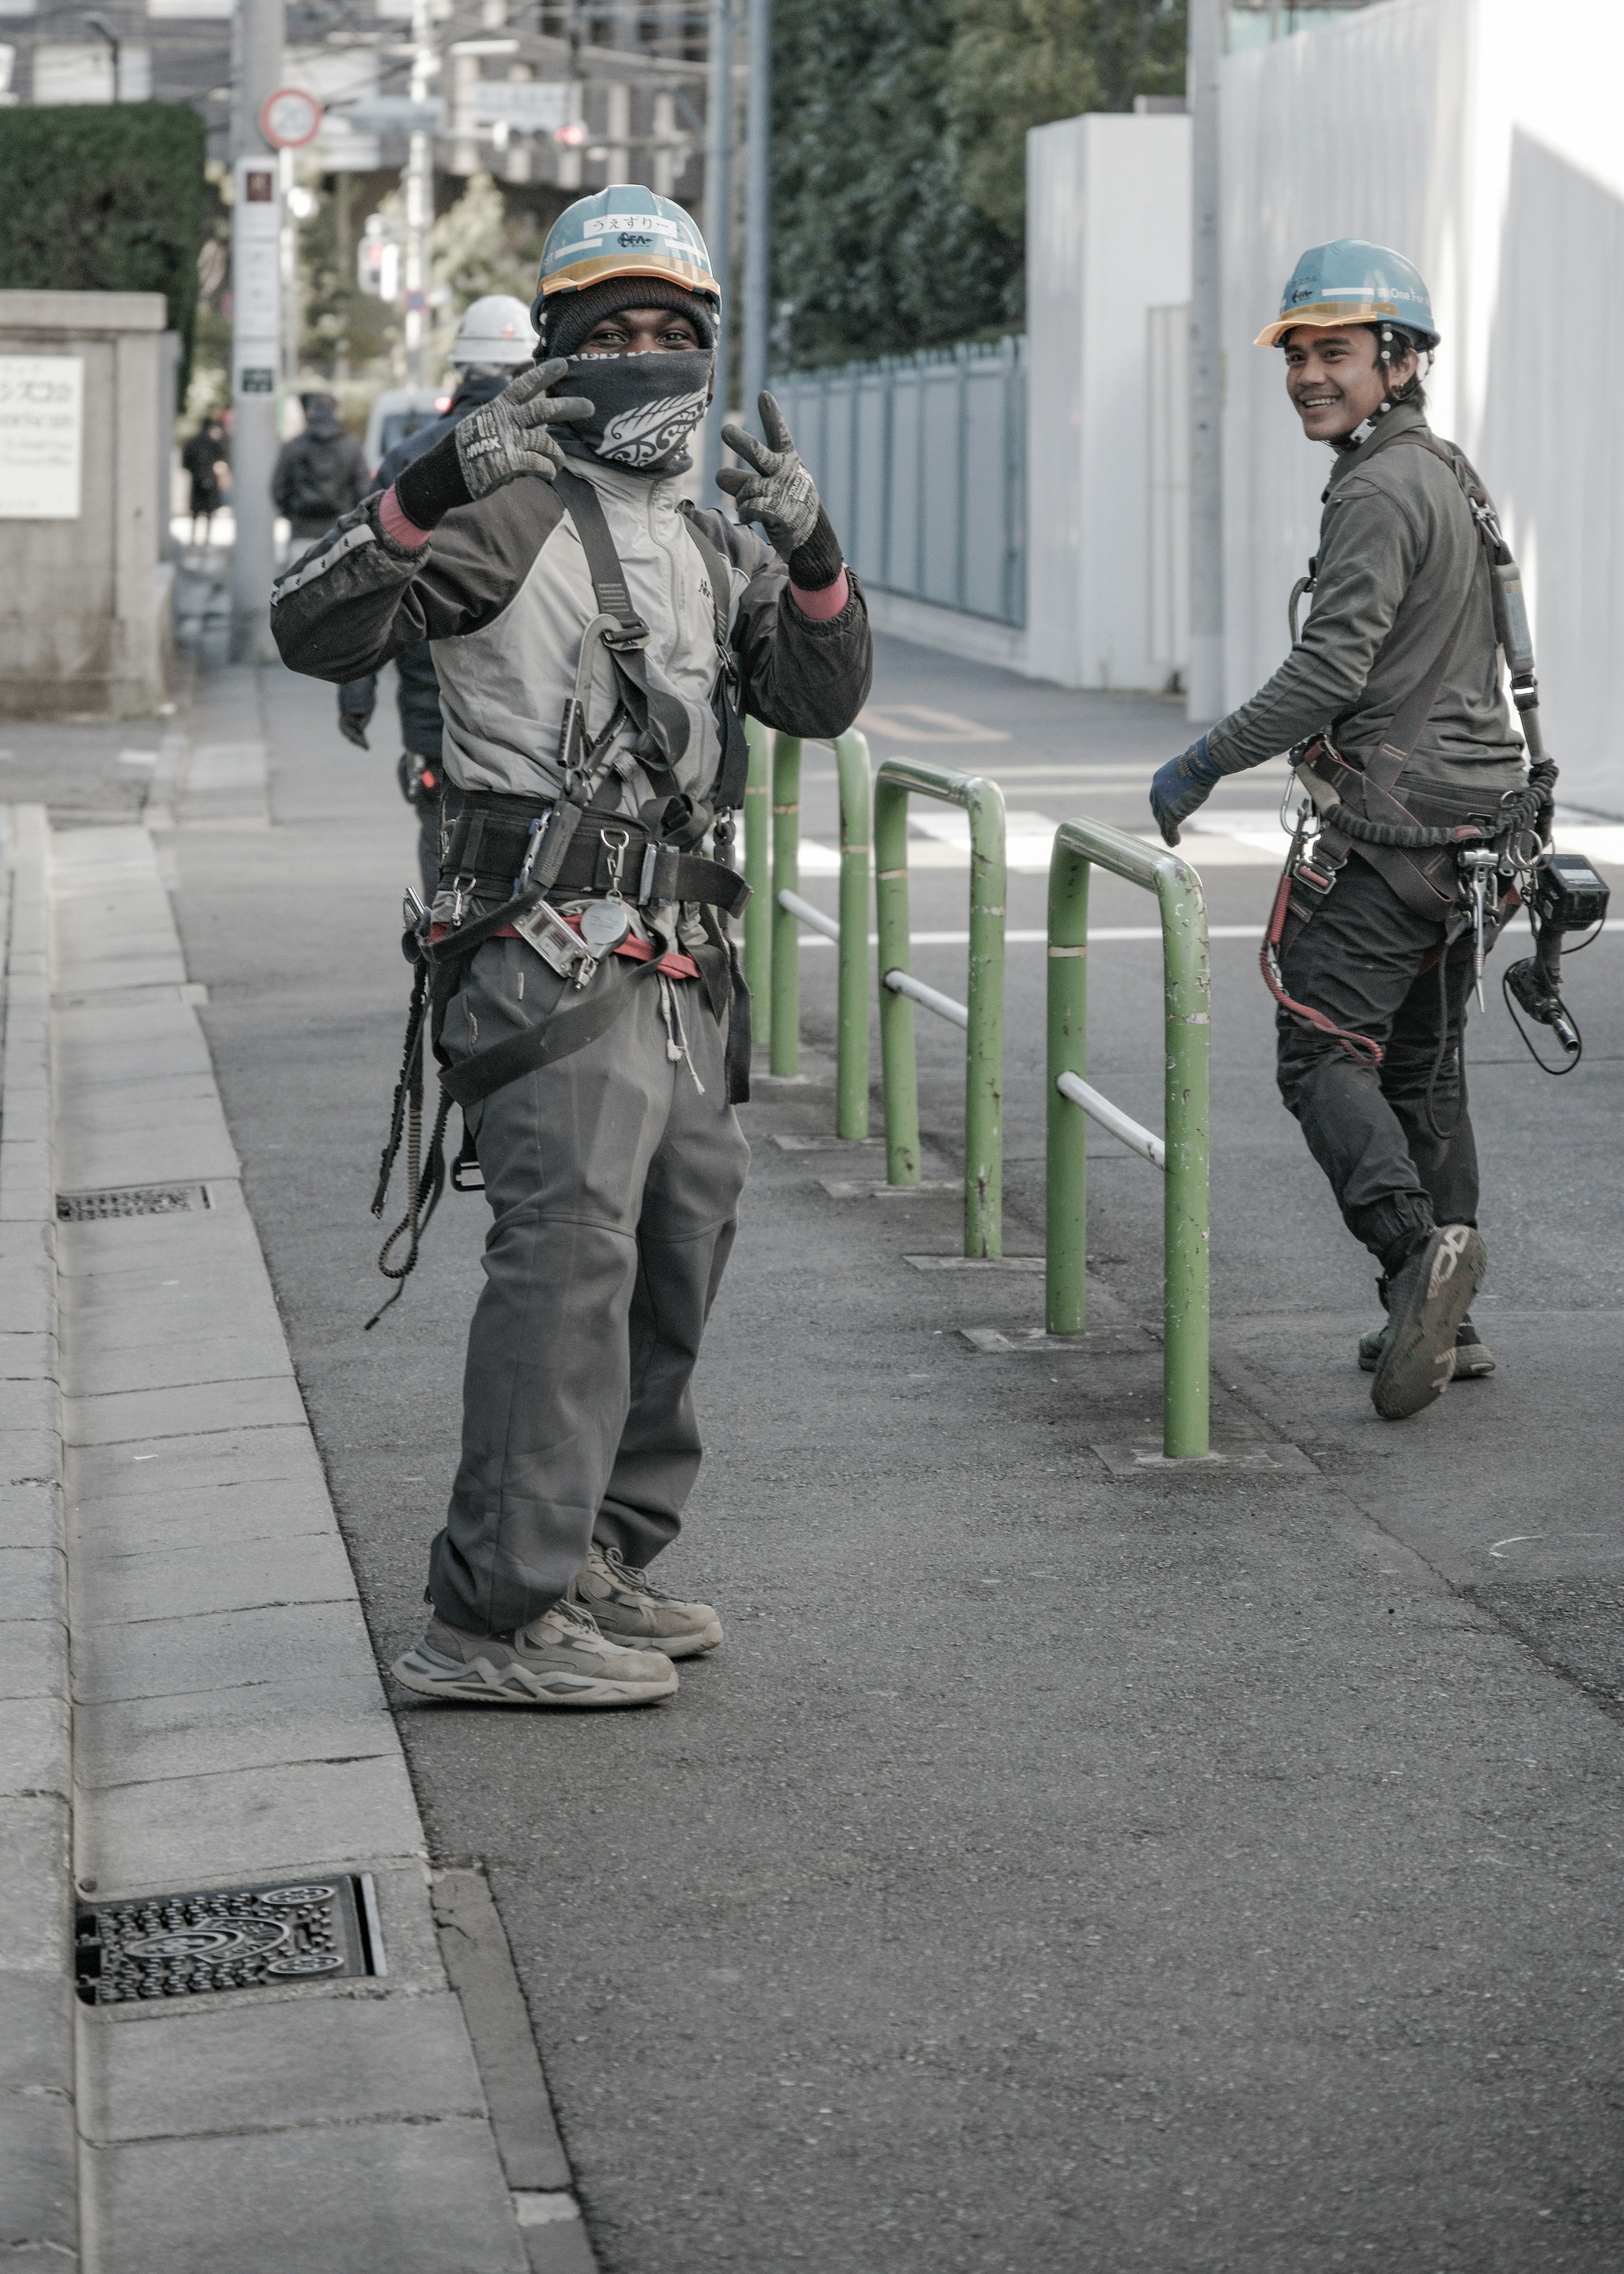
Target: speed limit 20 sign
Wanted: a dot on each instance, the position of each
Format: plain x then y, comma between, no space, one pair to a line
289,118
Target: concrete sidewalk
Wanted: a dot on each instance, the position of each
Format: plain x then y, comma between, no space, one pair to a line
1053,1869
227,1730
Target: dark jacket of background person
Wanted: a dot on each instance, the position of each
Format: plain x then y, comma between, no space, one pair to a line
418,692
201,454
321,474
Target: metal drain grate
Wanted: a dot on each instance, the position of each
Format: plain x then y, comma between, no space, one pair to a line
132,1200
228,1938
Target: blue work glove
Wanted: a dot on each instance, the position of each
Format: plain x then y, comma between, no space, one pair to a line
1182,787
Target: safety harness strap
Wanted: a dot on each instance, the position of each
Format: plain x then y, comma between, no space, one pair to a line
659,718
570,1029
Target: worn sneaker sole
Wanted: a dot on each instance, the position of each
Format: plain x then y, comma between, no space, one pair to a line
692,1646
1418,1363
481,1681
1473,1362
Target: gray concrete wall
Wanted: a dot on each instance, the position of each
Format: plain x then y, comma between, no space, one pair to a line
81,601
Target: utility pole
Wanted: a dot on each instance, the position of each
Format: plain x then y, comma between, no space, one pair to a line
419,196
757,205
256,326
1206,698
718,222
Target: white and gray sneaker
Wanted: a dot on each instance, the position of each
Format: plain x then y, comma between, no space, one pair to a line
631,1610
559,1659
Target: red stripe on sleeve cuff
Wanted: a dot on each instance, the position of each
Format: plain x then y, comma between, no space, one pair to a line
393,523
821,605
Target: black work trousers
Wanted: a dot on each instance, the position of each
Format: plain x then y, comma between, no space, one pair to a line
1359,959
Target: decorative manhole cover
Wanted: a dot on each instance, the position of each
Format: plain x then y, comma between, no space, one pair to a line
228,1938
131,1200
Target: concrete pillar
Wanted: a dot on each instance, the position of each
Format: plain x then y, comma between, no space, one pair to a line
84,605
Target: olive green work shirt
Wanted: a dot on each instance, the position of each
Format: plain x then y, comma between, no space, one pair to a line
1398,549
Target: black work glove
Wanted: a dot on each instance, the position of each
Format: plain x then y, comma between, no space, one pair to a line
1182,787
491,447
772,486
352,726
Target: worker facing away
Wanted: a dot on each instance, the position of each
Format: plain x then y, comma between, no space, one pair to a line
1392,707
493,341
596,644
321,474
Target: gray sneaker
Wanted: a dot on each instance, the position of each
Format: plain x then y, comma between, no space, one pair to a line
559,1659
1427,1299
631,1610
1473,1357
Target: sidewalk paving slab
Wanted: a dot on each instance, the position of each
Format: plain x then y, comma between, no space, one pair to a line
230,1729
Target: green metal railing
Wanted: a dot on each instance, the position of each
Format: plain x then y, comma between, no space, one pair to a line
776,912
981,1017
757,868
1182,1155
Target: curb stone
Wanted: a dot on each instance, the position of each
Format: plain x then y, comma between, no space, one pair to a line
38,2144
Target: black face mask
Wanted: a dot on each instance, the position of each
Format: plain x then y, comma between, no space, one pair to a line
644,408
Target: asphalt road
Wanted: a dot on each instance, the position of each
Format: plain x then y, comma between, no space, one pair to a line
1050,1872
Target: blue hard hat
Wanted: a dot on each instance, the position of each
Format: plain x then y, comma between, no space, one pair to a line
1351,281
624,230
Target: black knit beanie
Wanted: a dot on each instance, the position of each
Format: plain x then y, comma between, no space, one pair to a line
566,318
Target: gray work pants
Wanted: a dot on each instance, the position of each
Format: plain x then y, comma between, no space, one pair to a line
613,1186
1396,1167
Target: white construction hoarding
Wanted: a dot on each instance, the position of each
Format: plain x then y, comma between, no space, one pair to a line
1481,138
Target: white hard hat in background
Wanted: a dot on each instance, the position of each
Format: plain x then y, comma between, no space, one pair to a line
495,330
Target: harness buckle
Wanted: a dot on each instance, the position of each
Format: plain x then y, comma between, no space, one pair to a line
630,633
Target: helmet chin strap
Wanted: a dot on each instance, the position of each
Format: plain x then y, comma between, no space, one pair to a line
1391,399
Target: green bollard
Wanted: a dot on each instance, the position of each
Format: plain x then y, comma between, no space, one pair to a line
898,1068
852,1013
786,1059
1187,998
984,1053
983,801
758,876
1067,1212
1187,1246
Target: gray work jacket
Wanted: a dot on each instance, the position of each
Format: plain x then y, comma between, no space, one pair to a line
1398,551
503,591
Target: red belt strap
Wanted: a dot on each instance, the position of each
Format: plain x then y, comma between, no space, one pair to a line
673,964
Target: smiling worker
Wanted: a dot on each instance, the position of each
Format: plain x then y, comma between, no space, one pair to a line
595,642
1396,675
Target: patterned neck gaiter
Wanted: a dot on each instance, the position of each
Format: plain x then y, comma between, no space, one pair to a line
644,406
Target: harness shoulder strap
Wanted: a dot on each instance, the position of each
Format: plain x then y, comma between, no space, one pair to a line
660,719
734,771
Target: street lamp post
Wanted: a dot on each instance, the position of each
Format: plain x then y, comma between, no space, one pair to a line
718,222
256,326
1206,695
419,196
757,204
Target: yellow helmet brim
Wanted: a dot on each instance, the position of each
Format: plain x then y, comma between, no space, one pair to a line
1327,316
672,265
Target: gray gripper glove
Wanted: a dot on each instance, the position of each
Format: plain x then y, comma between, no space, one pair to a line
492,445
509,437
773,487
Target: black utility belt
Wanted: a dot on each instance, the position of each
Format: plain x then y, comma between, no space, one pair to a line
488,850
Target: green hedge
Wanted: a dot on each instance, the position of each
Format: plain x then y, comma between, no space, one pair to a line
105,198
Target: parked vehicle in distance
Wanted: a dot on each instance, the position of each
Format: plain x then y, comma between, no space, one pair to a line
399,412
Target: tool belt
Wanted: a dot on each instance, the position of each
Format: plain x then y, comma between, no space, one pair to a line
493,832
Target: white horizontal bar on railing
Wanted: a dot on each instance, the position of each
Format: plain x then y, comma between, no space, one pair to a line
903,982
809,914
1112,1117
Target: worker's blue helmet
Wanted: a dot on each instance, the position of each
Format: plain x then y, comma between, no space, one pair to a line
624,230
1350,281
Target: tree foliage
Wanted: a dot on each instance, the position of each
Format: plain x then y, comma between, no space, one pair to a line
105,198
875,248
899,154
